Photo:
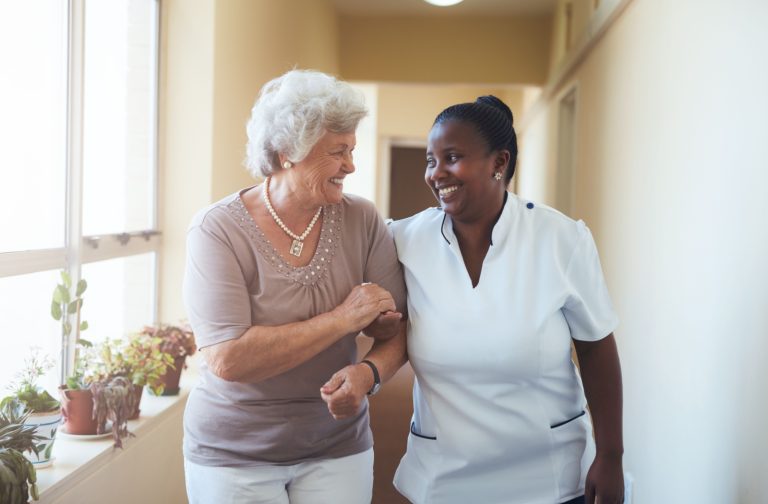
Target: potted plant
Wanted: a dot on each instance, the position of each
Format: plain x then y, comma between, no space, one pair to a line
178,341
114,399
139,360
17,474
44,411
76,398
94,395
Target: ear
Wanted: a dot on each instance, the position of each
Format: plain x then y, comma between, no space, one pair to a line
501,160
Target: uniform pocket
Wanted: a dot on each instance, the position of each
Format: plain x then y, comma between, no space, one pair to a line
572,450
422,422
419,434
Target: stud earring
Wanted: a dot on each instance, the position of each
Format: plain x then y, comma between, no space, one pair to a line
497,175
287,165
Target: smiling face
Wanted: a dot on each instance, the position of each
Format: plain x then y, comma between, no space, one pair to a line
319,178
460,171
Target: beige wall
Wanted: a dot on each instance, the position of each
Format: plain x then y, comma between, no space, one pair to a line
257,40
580,18
671,177
445,50
186,129
408,110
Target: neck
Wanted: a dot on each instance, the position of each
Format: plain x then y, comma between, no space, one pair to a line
286,198
478,229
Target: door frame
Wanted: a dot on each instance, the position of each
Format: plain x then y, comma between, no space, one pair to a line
383,191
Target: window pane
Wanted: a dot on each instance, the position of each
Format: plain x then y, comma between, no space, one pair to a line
33,85
25,323
118,171
120,296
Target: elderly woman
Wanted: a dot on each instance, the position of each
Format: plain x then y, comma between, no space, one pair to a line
280,279
499,288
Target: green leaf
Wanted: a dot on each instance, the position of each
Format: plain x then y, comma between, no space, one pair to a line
84,325
55,310
84,342
66,279
63,294
67,328
57,294
73,306
81,286
72,383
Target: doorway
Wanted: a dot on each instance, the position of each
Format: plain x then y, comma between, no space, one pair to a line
408,194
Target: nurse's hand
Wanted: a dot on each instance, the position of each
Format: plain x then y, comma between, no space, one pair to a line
385,326
605,481
345,391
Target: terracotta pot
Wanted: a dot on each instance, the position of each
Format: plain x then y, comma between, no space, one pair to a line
137,393
46,425
77,410
172,377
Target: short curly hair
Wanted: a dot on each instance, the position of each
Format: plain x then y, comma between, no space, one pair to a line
293,111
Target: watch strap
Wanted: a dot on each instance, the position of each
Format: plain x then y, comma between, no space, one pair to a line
376,376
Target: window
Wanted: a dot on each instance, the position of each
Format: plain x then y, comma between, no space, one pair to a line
77,170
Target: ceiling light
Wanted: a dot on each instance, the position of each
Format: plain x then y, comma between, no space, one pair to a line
443,3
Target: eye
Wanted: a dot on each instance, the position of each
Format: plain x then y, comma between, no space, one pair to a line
430,162
453,157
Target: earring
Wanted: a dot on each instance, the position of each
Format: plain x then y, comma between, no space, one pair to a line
497,175
287,165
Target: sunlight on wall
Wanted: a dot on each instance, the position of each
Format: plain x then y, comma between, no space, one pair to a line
363,181
671,179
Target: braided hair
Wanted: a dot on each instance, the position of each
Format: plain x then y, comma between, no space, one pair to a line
493,121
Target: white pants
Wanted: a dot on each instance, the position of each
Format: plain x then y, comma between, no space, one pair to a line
345,480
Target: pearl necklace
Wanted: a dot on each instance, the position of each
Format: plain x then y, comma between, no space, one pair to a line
298,240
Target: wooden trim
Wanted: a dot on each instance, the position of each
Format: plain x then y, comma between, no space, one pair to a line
603,19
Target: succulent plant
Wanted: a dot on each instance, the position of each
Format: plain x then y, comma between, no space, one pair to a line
17,474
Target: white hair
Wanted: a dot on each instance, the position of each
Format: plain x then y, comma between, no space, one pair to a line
293,111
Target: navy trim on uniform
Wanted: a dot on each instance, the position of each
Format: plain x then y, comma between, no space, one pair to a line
413,431
568,421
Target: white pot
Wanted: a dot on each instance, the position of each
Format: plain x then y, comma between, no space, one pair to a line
47,424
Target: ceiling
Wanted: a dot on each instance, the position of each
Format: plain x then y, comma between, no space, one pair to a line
467,7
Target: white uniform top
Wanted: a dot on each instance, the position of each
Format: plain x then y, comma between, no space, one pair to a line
498,404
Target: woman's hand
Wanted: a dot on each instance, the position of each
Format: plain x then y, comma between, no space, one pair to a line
385,326
605,481
345,391
363,305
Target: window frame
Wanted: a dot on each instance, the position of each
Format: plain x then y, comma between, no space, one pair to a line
79,249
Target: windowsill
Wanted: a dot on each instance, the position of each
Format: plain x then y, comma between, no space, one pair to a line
74,460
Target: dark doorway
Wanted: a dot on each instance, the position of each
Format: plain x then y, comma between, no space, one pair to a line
408,194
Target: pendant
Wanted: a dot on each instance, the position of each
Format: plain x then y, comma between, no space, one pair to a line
296,247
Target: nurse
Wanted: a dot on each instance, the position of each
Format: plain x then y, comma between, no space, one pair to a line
498,289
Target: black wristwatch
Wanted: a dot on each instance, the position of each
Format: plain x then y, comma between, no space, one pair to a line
376,378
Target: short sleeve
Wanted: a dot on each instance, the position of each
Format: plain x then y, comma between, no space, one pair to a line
381,265
215,293
588,309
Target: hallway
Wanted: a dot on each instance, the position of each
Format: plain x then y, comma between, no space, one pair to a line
646,119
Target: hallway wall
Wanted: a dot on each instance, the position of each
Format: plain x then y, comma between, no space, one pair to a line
437,49
671,177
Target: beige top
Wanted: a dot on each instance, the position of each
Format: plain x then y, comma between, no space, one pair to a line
235,279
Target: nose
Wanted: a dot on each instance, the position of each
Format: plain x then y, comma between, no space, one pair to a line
434,173
348,164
